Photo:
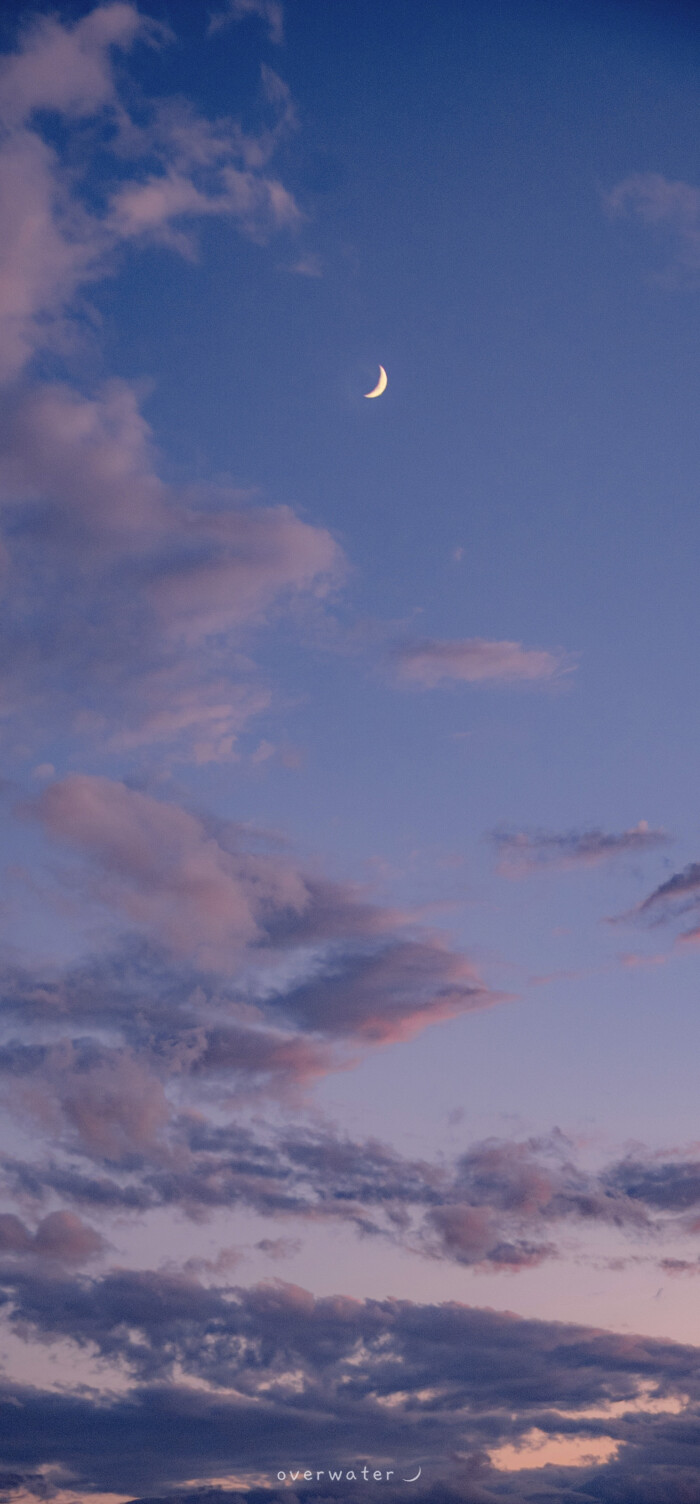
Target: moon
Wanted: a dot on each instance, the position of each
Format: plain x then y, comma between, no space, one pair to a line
414,1480
377,392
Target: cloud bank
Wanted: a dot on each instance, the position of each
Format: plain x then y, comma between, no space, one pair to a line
338,1383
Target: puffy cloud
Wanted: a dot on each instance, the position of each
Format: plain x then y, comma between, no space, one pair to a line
87,465
60,1236
338,1383
67,69
670,206
53,238
433,663
524,851
663,1183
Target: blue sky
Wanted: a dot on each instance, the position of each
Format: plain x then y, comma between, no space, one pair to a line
351,874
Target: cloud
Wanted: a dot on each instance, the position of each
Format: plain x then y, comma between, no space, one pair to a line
338,1383
270,12
501,1206
672,900
63,228
59,1236
228,970
524,851
669,206
664,1184
165,871
432,663
194,889
163,583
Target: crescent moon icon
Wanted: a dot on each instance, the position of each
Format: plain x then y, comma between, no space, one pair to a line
377,392
414,1480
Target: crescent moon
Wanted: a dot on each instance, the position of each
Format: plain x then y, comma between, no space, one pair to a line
377,392
414,1480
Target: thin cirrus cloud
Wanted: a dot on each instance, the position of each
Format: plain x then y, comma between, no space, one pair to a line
434,663
524,851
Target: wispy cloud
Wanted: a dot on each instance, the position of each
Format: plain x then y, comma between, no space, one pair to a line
432,663
674,899
523,851
163,584
270,12
672,208
241,973
59,233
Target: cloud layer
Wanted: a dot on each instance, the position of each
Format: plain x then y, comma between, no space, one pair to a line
270,1380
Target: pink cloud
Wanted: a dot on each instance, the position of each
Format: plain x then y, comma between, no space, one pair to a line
431,663
90,461
52,240
673,206
168,580
390,993
164,871
67,68
308,956
60,1236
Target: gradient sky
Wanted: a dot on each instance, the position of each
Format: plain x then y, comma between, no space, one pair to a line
350,895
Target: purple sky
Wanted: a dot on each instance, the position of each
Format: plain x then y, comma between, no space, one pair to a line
350,895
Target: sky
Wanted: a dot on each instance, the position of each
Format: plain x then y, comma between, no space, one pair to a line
350,883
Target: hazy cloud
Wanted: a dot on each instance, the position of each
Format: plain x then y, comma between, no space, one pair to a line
669,206
432,663
270,12
162,584
523,851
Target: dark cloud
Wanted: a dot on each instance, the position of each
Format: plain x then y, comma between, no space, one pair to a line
266,1379
673,900
523,851
676,896
665,1185
502,1206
